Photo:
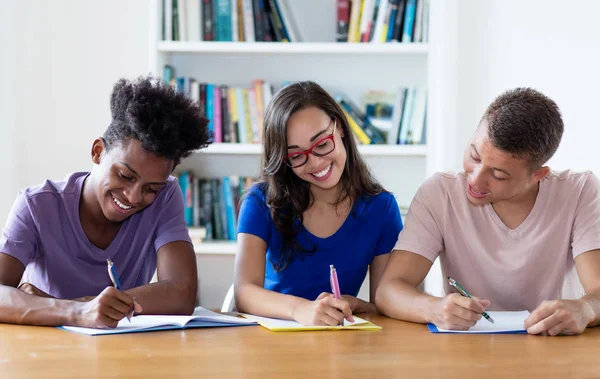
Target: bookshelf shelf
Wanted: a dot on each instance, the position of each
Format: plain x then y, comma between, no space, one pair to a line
365,150
216,248
330,48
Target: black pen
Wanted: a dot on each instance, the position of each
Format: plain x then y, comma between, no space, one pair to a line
464,292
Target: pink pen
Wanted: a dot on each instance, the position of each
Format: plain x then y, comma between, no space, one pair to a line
335,285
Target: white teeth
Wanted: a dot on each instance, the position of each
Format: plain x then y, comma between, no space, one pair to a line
323,173
121,205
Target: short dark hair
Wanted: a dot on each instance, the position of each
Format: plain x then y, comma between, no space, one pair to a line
525,123
166,122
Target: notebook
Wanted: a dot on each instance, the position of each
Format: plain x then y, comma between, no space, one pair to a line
201,318
278,325
504,323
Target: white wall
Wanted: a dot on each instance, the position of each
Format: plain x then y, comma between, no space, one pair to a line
8,66
550,45
69,54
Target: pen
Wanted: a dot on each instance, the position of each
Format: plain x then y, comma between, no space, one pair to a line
464,292
112,273
335,285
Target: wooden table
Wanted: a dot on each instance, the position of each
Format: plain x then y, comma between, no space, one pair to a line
400,350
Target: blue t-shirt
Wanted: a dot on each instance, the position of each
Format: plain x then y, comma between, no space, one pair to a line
371,229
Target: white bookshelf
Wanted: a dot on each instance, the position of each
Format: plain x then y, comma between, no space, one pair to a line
347,68
291,48
216,248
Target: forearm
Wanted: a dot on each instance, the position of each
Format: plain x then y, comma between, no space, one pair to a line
253,299
18,307
364,307
398,299
166,297
593,302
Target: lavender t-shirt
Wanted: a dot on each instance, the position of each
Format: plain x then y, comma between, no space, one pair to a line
44,232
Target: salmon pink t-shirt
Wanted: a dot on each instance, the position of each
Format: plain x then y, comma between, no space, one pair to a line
516,269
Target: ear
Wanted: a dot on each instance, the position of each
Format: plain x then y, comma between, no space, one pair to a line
98,149
540,173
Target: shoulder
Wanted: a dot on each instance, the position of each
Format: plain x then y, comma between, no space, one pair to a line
443,184
570,182
258,193
51,190
381,201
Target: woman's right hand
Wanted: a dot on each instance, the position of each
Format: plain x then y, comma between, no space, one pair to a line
106,309
457,312
325,311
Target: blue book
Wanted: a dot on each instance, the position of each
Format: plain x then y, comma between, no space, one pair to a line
507,322
229,208
224,33
201,318
409,21
185,183
210,111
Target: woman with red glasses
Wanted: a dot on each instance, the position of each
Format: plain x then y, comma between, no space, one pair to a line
316,205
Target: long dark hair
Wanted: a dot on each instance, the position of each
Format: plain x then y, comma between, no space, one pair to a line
288,196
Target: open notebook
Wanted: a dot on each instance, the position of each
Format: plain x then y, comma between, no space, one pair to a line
201,318
504,323
278,325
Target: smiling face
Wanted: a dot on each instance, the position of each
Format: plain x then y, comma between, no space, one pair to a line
127,178
309,128
494,175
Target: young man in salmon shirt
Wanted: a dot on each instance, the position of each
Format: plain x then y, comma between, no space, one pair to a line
508,229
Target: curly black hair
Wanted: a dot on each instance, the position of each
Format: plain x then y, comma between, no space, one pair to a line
166,122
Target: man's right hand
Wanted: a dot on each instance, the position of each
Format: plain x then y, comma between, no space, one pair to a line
326,310
106,309
457,312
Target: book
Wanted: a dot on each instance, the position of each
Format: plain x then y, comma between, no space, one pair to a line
201,318
504,323
277,325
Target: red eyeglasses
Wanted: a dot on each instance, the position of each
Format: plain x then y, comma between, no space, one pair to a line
320,148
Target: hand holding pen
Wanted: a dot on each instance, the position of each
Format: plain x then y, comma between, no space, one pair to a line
327,309
114,278
457,311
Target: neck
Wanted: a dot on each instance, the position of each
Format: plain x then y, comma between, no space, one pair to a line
325,196
90,211
524,202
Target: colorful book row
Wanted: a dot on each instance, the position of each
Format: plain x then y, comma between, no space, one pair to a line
379,21
227,21
213,204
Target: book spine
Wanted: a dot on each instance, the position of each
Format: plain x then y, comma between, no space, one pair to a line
207,209
224,21
399,21
259,28
210,115
225,123
207,22
234,21
248,12
176,20
354,26
392,20
343,18
218,127
229,208
276,24
409,21
233,114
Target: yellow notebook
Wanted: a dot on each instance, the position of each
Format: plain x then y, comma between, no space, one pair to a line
277,325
